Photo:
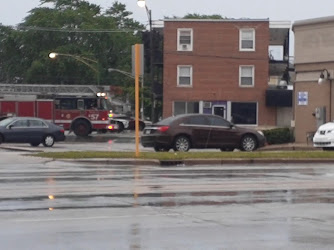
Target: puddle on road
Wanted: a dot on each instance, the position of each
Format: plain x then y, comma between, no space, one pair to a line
121,174
129,200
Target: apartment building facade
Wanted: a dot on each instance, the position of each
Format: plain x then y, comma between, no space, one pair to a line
222,67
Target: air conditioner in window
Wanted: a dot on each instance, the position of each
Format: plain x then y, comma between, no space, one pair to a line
185,47
207,105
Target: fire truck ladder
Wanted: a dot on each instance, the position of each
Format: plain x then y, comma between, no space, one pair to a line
48,89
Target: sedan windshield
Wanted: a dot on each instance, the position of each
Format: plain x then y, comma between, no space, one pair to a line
5,122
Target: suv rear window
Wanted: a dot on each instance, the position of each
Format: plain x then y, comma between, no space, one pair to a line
167,121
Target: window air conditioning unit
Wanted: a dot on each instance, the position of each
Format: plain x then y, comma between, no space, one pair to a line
207,105
185,47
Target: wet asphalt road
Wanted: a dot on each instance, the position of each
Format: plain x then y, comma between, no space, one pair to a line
97,142
47,204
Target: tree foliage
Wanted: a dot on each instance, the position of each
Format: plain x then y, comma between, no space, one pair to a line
70,28
198,16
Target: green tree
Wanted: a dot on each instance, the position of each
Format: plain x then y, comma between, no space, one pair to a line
11,57
69,27
198,16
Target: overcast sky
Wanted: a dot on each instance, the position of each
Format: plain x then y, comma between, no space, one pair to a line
13,12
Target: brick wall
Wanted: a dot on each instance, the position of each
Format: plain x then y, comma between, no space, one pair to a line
215,60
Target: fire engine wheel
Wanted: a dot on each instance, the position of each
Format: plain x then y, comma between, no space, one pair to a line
81,128
48,141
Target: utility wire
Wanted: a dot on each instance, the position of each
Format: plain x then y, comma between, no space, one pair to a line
75,30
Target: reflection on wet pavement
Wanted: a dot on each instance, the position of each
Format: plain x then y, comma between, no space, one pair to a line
143,207
126,186
167,199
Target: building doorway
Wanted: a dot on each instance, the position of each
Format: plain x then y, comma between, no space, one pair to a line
219,110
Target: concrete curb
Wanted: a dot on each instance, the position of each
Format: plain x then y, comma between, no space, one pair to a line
21,149
188,162
194,162
136,162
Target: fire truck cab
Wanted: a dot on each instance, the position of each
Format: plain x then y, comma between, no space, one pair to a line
81,109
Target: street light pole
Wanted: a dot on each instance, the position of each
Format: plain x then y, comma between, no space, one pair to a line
142,3
87,61
142,88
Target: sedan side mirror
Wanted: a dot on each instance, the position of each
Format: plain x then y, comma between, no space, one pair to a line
10,126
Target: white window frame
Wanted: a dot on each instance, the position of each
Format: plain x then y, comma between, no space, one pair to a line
178,76
240,39
179,45
253,76
186,107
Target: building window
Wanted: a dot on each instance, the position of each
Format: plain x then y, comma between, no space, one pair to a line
246,76
244,113
185,108
184,39
184,76
247,40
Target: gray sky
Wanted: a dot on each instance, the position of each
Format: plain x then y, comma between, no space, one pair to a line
12,12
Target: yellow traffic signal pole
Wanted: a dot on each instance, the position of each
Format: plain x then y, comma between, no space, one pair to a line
137,73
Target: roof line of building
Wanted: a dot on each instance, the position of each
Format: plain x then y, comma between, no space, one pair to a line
280,24
272,24
216,20
313,21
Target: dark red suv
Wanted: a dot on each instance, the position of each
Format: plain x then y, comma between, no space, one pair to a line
183,132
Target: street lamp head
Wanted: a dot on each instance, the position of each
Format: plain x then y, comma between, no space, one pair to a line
141,3
323,77
53,55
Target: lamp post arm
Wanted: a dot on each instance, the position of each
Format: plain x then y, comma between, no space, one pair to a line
81,59
84,60
122,72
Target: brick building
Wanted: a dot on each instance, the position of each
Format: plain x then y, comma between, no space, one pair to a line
314,56
223,67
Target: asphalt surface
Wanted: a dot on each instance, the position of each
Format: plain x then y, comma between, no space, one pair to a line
47,204
131,204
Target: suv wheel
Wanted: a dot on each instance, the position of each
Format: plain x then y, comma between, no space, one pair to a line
48,141
182,143
248,143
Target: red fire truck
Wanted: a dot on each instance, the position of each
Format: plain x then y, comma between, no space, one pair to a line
78,108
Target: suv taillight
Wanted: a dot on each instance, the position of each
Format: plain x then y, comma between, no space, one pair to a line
163,129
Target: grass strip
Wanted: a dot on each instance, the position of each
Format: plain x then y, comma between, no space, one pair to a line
189,155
